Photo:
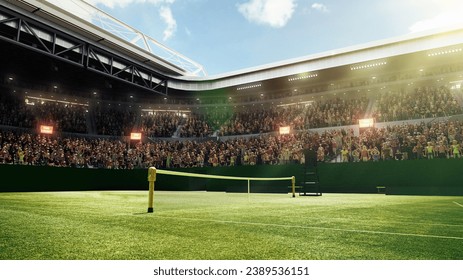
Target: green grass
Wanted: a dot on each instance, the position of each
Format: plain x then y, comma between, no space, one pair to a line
228,226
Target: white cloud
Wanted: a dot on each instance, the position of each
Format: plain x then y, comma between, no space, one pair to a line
166,15
440,13
320,7
275,13
442,20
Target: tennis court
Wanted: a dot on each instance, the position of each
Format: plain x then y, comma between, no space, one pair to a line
229,226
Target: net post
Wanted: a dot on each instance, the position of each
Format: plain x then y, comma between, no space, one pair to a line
293,185
151,180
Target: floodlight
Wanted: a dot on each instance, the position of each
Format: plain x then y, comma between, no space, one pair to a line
363,123
285,130
135,136
46,129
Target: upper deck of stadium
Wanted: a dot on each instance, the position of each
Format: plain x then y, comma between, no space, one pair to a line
120,54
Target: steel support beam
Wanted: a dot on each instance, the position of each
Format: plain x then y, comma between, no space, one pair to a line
37,36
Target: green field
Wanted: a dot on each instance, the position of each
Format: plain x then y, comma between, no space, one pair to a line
228,226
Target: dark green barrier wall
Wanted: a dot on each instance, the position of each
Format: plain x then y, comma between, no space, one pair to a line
38,178
425,177
433,177
268,171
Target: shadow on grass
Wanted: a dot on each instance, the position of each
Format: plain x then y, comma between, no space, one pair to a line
143,213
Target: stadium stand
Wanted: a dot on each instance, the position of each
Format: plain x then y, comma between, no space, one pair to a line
159,124
439,139
226,120
420,103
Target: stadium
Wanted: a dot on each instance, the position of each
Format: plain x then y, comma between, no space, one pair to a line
344,155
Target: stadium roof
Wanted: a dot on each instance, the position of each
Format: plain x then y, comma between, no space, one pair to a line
88,20
407,44
103,30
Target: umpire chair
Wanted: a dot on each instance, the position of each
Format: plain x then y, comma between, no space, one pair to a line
310,185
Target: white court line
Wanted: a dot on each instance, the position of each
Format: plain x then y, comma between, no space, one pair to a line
458,204
319,228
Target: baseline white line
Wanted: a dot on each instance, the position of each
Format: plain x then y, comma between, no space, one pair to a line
458,204
318,228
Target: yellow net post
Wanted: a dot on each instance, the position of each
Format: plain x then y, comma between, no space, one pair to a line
293,185
151,180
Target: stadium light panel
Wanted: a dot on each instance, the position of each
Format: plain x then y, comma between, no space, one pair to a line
135,136
363,123
368,65
28,99
448,51
46,129
302,77
284,130
249,86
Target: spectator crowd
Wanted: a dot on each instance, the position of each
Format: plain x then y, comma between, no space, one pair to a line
400,142
254,143
422,102
121,119
63,116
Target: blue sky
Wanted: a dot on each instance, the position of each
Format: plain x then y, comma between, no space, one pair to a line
230,35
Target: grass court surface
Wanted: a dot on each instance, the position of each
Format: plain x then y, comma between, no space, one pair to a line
228,226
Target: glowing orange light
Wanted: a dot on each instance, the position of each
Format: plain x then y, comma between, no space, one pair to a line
46,129
366,123
135,136
285,129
